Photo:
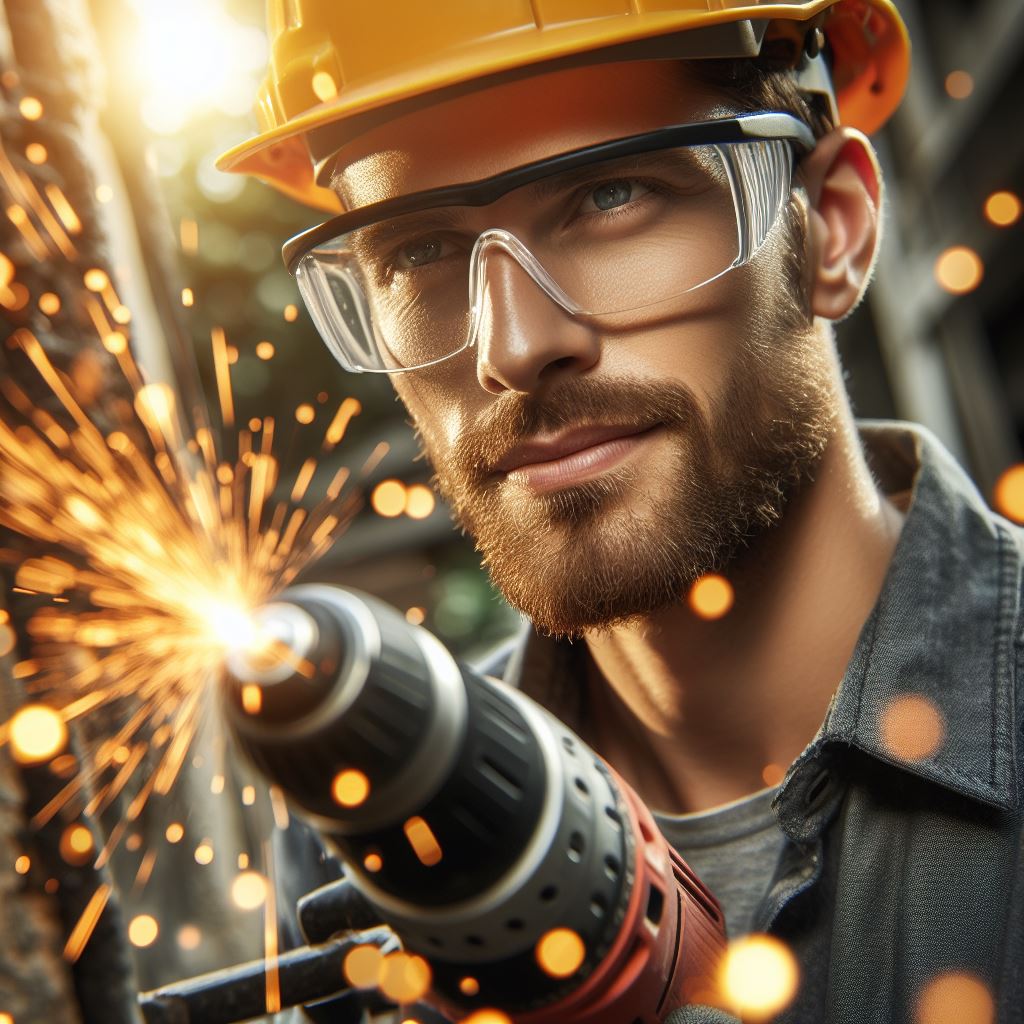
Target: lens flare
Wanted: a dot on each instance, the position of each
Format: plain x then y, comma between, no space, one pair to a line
36,733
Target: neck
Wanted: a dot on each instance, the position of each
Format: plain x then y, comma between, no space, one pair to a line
695,713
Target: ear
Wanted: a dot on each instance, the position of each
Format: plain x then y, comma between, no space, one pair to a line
844,185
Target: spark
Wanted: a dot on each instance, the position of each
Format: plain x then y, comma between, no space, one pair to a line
350,787
86,924
560,952
423,841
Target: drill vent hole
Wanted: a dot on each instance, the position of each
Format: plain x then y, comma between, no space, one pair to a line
474,940
612,867
548,893
613,816
514,924
569,745
576,847
598,905
582,787
435,942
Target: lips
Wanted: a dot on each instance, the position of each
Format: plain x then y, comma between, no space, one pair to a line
577,440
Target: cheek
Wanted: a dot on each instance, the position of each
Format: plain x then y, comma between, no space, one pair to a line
441,400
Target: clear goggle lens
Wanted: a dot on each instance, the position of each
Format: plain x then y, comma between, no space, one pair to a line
615,237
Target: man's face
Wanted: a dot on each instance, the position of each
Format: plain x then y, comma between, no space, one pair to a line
602,469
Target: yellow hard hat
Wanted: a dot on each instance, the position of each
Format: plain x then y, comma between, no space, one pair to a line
341,60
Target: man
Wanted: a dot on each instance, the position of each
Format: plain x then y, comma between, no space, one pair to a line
620,362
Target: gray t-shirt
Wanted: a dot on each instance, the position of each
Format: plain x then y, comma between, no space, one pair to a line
733,849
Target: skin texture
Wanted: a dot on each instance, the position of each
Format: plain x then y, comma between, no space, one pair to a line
752,465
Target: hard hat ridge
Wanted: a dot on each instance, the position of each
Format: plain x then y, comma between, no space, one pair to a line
337,68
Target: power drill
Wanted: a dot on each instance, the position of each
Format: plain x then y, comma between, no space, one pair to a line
490,838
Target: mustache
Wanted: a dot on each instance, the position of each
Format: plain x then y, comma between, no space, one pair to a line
618,401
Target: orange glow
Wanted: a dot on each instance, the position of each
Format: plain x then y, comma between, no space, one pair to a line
188,297
204,853
955,997
248,795
373,862
404,977
350,787
388,498
959,270
773,774
22,864
711,596
122,314
305,413
423,841
911,727
363,965
469,986
1008,497
252,699
96,280
36,733
265,350
560,952
36,153
249,890
488,1016
76,844
415,615
1003,209
49,303
189,937
7,639
30,108
143,930
419,501
959,85
291,312
759,977
6,1018
175,832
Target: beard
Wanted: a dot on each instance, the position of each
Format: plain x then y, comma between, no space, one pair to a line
633,541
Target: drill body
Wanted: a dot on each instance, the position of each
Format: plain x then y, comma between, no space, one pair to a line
489,837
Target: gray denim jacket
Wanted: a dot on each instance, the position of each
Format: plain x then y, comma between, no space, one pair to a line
898,873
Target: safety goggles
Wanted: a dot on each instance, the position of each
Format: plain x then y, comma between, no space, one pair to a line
610,232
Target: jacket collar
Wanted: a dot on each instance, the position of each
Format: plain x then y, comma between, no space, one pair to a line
933,666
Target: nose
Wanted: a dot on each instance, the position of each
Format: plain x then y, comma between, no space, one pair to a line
526,336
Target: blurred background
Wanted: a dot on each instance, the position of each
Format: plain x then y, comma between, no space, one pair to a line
153,91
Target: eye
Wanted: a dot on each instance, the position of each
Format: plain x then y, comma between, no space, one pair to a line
611,194
420,252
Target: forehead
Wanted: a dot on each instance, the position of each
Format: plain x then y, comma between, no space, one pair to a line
488,131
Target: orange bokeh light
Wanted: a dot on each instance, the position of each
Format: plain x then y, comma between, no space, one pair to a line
1002,209
1008,496
404,977
363,965
388,498
37,733
560,952
143,931
911,727
419,501
249,890
350,787
759,977
76,844
959,85
711,596
959,270
955,997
